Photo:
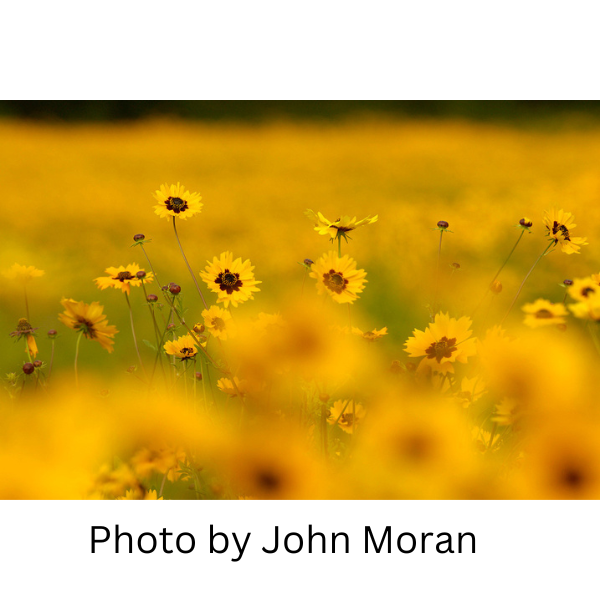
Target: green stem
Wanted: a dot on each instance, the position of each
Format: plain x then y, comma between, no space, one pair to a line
77,357
524,280
188,264
134,336
26,301
51,360
339,246
437,276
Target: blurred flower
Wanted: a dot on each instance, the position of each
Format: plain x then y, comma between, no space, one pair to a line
338,277
122,278
227,386
176,201
347,416
507,412
24,329
161,459
139,494
232,280
22,274
341,226
90,320
218,321
588,309
184,347
444,341
471,390
370,336
582,289
559,225
543,312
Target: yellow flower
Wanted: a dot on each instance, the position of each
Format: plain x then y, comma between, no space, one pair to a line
90,320
24,329
227,386
589,309
471,389
139,494
161,459
543,312
343,414
338,277
560,225
122,278
444,341
370,336
232,280
22,274
582,289
218,321
184,347
341,226
176,201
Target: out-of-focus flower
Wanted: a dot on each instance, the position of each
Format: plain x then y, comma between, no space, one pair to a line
589,309
184,347
346,414
559,225
122,278
370,336
139,494
227,386
161,459
232,280
90,320
338,277
444,341
543,312
582,289
22,274
218,322
340,227
24,329
471,390
176,201
508,412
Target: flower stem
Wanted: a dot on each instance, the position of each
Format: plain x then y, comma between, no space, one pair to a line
188,264
437,277
524,280
594,335
134,336
498,273
51,360
26,301
77,358
339,246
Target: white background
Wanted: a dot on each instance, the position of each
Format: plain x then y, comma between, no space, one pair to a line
292,49
524,550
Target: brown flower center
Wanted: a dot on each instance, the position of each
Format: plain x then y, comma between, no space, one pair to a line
87,327
587,291
563,230
268,480
441,349
123,276
177,205
218,324
543,314
335,281
229,282
573,477
187,353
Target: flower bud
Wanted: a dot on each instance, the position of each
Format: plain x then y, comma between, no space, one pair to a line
198,376
138,237
324,397
443,224
568,282
170,326
455,265
496,287
308,262
52,333
525,222
174,289
28,368
140,274
198,328
37,364
152,298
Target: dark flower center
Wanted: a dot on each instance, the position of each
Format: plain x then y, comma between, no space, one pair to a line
442,349
573,478
187,353
587,291
543,313
229,282
268,480
123,276
335,281
218,323
177,205
558,227
347,419
87,327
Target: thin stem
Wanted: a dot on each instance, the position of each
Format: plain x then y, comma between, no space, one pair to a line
524,280
77,357
188,264
498,273
134,336
26,301
437,276
162,485
339,246
492,436
51,360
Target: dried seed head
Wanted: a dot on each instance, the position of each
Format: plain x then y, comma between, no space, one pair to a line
455,265
28,368
410,366
198,328
396,367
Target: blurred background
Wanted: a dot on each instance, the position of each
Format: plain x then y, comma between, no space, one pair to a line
78,179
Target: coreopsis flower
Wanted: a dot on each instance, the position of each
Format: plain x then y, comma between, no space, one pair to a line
22,274
140,494
582,289
370,336
471,390
340,227
559,225
218,322
176,201
232,280
588,309
90,320
24,329
184,347
122,278
338,277
543,312
443,342
228,387
342,414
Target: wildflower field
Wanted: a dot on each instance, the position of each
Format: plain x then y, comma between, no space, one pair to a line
369,308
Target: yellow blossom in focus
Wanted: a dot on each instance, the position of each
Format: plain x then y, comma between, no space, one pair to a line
184,347
176,201
559,225
338,277
543,312
122,278
341,226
